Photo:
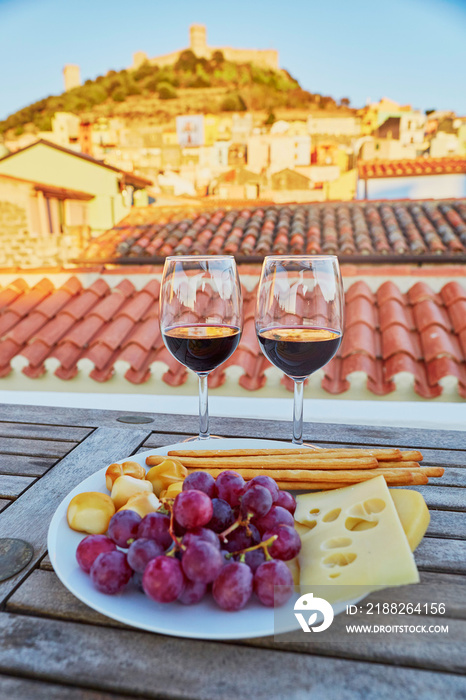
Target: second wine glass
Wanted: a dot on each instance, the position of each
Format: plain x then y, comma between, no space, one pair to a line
201,316
299,318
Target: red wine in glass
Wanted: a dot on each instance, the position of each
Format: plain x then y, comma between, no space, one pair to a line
201,316
202,347
299,318
298,351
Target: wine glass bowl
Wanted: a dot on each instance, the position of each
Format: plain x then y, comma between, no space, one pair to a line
201,316
299,318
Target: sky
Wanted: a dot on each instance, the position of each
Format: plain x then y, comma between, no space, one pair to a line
413,51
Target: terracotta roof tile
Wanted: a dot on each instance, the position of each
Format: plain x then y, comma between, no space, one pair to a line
12,292
82,333
428,313
26,328
413,227
451,292
411,167
392,340
392,312
389,291
396,339
55,329
457,312
420,292
31,298
436,342
360,310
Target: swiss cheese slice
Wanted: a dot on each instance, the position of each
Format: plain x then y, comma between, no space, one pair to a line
343,560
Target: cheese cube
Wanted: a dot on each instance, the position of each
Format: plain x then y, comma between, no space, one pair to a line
342,559
413,513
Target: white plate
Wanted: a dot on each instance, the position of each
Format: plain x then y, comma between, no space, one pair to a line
203,621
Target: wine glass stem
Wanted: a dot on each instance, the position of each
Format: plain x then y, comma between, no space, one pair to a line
298,412
203,408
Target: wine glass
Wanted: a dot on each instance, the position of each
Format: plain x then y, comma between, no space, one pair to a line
201,316
299,318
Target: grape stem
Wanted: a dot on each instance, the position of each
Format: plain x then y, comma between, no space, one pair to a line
262,545
239,521
168,505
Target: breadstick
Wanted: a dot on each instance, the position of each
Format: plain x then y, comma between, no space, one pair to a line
311,475
403,479
278,463
318,453
411,456
153,460
399,465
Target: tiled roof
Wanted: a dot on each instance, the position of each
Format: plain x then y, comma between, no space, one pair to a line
351,229
392,340
409,167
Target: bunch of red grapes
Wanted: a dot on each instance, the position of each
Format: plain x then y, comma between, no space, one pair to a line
223,535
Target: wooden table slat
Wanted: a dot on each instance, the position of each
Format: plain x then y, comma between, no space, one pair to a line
445,523
13,486
24,689
35,431
25,465
35,448
158,666
241,427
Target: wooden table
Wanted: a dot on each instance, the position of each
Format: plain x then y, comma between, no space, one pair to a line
54,647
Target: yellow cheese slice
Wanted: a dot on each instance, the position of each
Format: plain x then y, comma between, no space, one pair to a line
413,513
341,559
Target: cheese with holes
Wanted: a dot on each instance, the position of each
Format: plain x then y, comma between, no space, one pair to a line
355,544
413,513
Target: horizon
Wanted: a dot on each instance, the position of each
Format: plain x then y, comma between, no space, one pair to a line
112,38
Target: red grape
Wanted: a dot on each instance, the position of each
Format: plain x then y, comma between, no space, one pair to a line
202,561
254,559
123,527
276,516
230,487
201,533
223,515
287,545
192,509
233,586
156,526
242,537
286,500
267,482
110,572
89,549
141,552
200,481
192,593
273,583
256,501
163,579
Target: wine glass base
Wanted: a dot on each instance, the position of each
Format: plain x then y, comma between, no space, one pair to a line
198,439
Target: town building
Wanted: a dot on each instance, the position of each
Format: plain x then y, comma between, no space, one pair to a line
110,188
420,178
71,76
267,58
41,224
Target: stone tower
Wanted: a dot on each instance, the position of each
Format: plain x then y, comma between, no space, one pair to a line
72,76
198,39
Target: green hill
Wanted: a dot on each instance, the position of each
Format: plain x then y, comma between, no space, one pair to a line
191,84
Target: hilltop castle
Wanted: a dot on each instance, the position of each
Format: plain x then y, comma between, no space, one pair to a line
267,58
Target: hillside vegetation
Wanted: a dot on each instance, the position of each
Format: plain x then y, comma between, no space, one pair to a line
239,87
